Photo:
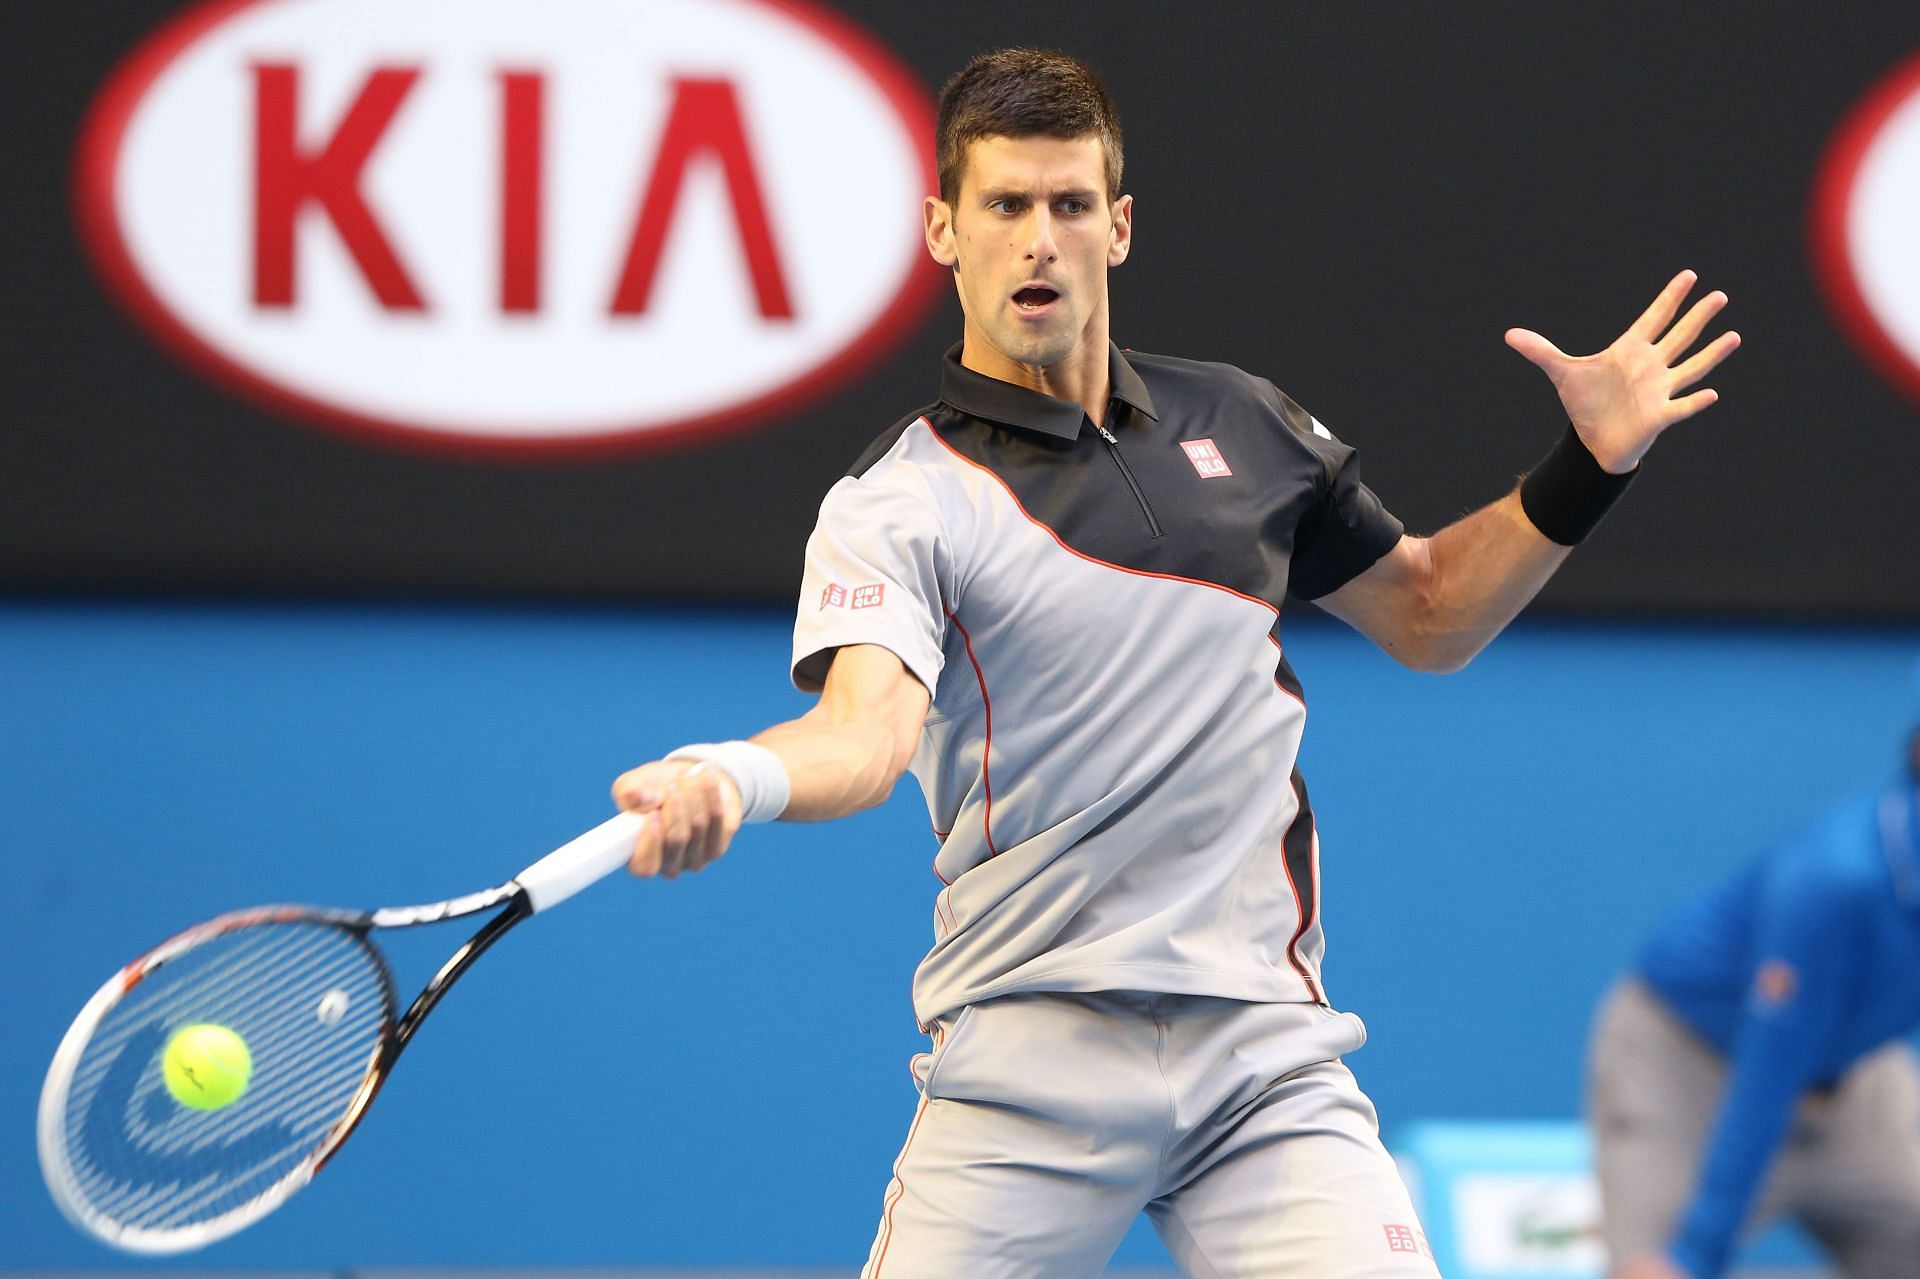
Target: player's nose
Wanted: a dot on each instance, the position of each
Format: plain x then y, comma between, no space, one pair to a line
1040,246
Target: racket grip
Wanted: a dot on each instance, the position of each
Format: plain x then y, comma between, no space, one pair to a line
583,860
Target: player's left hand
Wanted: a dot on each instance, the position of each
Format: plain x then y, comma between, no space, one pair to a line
1622,398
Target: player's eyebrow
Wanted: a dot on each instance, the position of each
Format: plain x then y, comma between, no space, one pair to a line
990,194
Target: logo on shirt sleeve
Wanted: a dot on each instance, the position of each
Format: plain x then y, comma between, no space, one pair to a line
838,596
1407,1239
1206,459
1775,983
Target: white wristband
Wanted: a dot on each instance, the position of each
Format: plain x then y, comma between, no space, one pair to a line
757,771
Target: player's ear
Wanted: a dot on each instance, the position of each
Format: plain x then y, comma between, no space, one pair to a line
1120,241
939,227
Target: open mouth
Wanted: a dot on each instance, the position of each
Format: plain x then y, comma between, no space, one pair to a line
1034,297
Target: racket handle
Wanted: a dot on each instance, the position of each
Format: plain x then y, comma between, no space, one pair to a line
583,860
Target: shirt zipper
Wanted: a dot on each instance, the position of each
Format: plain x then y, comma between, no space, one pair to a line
1126,473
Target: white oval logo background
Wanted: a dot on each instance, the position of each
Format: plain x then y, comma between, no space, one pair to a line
1866,225
837,136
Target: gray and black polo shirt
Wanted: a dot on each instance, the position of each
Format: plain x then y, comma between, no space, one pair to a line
1109,759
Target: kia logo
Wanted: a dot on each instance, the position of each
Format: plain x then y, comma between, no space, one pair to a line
1866,225
489,225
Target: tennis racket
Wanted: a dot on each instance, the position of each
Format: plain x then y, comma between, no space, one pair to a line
312,998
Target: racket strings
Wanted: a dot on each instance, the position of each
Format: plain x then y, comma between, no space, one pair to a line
312,1002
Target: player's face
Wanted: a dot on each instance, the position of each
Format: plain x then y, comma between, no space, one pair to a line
1030,237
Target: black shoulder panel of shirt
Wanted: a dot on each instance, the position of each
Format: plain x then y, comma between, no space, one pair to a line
891,436
1238,517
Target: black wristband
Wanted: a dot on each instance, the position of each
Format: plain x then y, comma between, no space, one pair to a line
1568,493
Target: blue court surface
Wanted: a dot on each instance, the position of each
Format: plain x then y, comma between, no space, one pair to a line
709,1076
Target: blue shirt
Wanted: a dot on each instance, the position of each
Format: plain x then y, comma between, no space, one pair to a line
1795,971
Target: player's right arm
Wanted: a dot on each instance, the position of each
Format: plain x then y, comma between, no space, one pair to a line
842,756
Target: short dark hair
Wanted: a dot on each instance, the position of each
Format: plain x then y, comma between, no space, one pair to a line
1024,93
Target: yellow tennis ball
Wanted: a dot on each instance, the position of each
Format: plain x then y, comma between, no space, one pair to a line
206,1066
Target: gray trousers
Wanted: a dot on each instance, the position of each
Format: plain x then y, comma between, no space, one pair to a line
1048,1122
1848,1169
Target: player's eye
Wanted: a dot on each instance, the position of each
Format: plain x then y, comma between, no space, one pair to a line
1074,208
1006,205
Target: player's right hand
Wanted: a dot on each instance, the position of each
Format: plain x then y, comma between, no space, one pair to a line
693,810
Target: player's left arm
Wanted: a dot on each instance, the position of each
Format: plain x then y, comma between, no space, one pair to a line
1434,602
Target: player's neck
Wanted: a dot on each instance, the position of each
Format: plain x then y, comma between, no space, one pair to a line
1082,377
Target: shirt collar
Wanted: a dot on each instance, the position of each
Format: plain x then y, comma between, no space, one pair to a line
1899,817
986,397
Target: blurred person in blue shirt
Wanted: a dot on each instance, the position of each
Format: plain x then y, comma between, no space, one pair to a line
1754,1065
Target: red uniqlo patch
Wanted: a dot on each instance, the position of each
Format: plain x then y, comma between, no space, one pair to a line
834,596
868,596
1402,1239
1206,459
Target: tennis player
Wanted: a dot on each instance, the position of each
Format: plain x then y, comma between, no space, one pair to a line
1754,1064
1054,594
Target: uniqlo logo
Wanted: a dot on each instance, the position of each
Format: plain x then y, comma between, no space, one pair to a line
868,596
1206,459
1402,1239
834,596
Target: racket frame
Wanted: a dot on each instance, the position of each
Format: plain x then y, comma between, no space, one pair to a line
398,1028
583,860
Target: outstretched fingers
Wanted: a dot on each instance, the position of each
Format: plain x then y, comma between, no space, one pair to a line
1654,320
1691,325
1535,348
1687,405
1705,361
1620,399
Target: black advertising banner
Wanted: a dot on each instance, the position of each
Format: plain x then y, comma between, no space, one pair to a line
595,298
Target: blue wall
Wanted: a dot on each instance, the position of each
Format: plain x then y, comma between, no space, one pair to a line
713,1071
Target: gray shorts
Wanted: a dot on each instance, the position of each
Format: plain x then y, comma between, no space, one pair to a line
1848,1170
1048,1122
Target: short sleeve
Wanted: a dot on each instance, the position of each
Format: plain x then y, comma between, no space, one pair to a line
872,577
1348,529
